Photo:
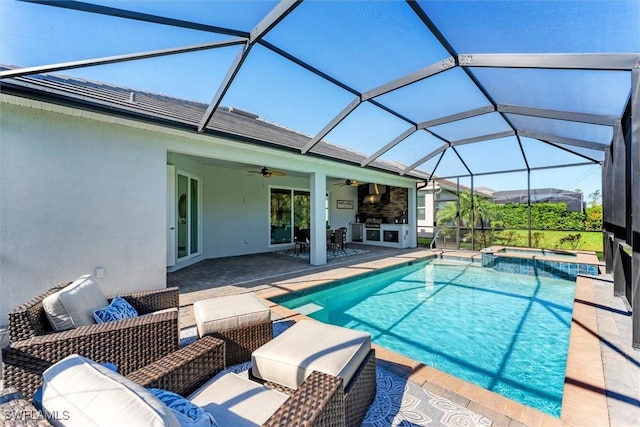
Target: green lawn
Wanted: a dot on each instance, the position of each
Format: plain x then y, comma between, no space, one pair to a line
589,240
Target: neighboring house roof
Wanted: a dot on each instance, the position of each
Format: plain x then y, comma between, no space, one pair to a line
170,111
453,186
573,199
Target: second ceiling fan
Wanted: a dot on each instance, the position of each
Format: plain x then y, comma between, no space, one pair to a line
348,182
268,173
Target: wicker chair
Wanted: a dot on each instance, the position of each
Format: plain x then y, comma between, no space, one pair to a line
357,396
317,402
130,344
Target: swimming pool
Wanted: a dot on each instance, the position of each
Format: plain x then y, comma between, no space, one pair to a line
508,333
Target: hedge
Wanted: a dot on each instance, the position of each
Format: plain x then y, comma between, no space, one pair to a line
544,216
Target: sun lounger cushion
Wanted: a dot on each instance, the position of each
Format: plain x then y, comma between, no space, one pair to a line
236,401
73,306
223,313
309,346
80,392
119,309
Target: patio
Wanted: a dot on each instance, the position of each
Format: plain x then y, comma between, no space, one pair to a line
602,325
196,138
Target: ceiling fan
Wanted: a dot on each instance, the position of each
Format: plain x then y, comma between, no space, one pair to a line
348,182
268,173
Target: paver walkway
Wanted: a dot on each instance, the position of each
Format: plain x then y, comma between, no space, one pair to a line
264,273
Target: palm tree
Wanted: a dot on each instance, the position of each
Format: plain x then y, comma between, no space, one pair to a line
484,215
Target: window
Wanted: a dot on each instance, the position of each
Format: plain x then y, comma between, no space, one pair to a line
290,214
422,215
327,209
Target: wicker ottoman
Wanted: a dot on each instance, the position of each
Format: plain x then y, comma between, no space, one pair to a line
309,345
242,321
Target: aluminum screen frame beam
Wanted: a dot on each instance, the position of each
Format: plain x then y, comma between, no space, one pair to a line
404,135
332,124
533,169
458,116
19,72
482,138
428,71
272,19
594,119
562,140
138,16
424,125
224,87
567,61
422,15
425,159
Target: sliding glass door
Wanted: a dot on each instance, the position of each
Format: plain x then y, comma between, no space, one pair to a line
188,216
290,214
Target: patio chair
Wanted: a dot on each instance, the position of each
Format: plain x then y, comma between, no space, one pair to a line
302,241
197,373
339,239
130,344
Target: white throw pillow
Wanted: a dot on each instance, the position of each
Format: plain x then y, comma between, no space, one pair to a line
79,392
73,306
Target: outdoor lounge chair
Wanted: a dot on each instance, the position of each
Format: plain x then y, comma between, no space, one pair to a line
195,372
130,344
309,345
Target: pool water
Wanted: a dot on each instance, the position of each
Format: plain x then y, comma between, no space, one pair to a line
539,252
508,333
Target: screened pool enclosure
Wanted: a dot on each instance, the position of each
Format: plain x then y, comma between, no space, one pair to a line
470,90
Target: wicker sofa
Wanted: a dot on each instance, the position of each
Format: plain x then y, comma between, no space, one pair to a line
317,402
130,344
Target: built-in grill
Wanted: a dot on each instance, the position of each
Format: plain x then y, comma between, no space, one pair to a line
373,223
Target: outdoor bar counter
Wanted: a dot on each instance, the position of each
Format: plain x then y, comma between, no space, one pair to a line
390,235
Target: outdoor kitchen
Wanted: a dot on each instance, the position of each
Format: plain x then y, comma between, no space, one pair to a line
382,218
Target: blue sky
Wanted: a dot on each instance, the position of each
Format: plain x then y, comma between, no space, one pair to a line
363,44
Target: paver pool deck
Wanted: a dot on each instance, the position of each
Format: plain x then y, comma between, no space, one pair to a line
603,371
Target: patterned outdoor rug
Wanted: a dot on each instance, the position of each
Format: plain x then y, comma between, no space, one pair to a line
397,403
330,254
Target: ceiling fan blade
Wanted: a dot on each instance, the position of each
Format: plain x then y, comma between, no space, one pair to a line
277,173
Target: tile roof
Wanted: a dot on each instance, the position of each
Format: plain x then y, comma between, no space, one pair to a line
144,105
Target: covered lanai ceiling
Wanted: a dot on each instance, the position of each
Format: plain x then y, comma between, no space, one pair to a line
451,88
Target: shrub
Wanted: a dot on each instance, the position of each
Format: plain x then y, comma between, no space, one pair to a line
537,240
574,240
544,216
593,218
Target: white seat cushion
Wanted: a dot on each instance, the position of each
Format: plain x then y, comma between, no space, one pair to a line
235,401
222,313
73,306
309,346
80,392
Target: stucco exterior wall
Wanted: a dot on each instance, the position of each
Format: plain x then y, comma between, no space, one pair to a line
75,195
81,191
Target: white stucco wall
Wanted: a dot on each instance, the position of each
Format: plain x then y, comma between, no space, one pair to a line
76,195
343,217
81,191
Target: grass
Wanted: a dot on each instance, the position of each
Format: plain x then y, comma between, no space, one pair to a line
589,240
550,239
